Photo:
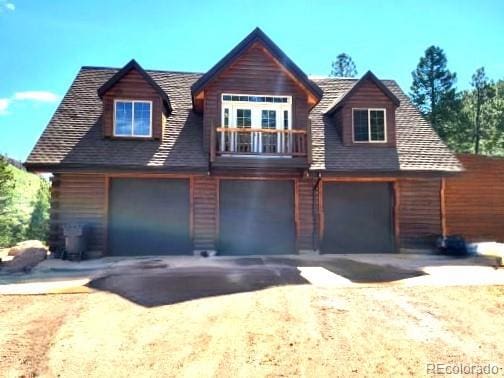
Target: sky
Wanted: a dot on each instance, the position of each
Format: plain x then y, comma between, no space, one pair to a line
44,43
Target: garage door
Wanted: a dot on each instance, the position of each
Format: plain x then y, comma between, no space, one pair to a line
358,218
149,217
256,217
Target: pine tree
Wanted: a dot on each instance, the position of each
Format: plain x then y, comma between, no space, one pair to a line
482,94
6,187
433,89
343,66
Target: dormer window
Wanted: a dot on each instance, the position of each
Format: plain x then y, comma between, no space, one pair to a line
133,118
369,126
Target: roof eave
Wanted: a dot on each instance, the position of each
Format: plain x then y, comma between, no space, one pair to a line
132,64
367,76
256,35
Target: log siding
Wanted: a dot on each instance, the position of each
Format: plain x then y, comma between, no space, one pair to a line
474,200
417,213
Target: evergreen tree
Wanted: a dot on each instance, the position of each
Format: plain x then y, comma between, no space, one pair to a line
433,89
6,187
38,227
483,92
343,66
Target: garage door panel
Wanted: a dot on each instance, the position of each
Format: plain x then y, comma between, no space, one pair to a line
256,217
358,218
149,217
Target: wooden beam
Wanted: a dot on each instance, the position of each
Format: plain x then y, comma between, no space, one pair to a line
443,207
296,212
213,140
257,130
106,216
321,211
360,179
309,142
397,223
191,209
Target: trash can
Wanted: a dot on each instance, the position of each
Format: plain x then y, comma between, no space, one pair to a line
75,240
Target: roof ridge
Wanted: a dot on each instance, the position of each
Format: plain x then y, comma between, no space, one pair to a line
147,70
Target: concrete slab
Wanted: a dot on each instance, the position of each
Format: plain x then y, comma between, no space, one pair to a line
323,270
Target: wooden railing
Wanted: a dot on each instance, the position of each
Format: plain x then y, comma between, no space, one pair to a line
259,142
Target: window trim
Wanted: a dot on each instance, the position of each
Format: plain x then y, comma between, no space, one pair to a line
252,105
369,110
132,135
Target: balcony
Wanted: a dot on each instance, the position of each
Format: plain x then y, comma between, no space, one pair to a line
269,147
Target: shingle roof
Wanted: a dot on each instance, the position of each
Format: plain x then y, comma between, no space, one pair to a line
419,148
74,136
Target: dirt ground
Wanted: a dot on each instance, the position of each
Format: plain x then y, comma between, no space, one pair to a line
285,329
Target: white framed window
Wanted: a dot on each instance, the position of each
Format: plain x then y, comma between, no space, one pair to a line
261,112
133,118
369,125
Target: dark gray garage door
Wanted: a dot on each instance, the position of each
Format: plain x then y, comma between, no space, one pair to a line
358,218
256,217
149,217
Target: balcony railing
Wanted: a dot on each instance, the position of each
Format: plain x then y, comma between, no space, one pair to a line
259,142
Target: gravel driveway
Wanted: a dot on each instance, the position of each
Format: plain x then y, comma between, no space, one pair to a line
248,321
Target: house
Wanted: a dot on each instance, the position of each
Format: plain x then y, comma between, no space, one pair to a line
251,157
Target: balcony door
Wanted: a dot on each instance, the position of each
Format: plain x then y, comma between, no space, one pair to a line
262,119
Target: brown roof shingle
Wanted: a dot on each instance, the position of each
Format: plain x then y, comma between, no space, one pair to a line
419,148
74,138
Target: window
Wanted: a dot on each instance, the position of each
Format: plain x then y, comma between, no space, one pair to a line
369,125
133,118
243,118
269,141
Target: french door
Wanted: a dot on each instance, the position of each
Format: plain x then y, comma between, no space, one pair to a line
261,122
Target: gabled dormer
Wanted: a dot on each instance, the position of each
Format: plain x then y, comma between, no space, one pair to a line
365,114
134,105
255,102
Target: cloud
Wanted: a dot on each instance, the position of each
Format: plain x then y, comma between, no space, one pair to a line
4,104
42,96
27,96
7,5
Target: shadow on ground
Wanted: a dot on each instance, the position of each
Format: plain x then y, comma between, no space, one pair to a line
150,288
355,271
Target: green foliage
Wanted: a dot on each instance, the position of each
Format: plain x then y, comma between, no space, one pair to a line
343,66
433,89
24,210
39,220
468,121
6,185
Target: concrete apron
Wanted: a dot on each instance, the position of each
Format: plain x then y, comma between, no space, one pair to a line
57,276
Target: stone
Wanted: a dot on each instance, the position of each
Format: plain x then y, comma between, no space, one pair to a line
26,255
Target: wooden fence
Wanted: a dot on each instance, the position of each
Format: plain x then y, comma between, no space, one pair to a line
474,199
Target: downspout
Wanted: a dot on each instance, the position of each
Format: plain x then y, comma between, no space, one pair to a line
315,232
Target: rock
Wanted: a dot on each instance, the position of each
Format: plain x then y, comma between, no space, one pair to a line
26,256
23,246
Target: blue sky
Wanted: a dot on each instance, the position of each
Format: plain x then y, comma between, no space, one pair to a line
44,43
